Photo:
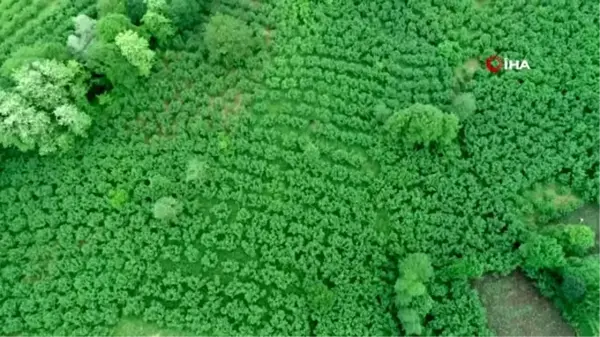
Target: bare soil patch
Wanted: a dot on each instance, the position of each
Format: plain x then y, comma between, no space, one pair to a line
515,308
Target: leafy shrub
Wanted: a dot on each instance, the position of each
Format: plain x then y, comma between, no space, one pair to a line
229,40
575,239
136,50
422,124
109,26
581,277
573,288
463,269
412,299
118,198
542,252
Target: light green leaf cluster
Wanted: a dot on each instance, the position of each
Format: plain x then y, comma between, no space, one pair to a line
136,50
39,112
166,208
84,34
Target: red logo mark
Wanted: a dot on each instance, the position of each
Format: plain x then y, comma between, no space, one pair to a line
499,63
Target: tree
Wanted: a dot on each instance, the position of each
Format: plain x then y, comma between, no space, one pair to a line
573,288
84,34
135,10
37,52
106,7
40,111
105,58
48,84
22,126
136,50
422,124
412,300
542,252
229,40
185,14
159,26
109,26
575,239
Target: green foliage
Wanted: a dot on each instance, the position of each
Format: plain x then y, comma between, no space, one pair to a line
589,326
105,58
381,112
156,6
28,54
229,40
542,252
135,10
412,299
40,112
185,14
580,289
108,7
198,171
136,50
422,124
573,288
84,34
575,239
158,26
463,105
321,298
166,208
463,269
109,26
118,198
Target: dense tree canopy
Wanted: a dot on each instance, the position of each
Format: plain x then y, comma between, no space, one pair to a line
229,39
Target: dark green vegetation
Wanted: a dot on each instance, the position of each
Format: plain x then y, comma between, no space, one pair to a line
331,168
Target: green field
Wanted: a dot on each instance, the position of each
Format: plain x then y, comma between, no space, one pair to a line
297,167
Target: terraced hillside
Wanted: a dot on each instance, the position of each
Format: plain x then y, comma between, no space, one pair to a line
272,198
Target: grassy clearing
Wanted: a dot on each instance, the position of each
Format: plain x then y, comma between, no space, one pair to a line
137,327
549,202
515,308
